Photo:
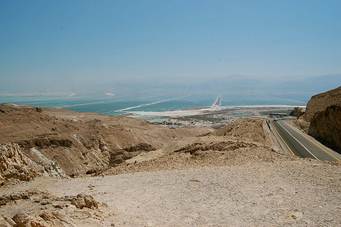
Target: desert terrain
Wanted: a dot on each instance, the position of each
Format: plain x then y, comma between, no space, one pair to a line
63,168
150,113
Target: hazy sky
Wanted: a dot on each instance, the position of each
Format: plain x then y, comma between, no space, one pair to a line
53,45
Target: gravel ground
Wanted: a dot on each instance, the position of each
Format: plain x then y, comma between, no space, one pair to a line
289,193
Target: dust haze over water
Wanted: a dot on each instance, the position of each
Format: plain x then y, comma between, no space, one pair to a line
175,95
83,53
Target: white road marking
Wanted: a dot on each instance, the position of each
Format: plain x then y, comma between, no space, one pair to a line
298,141
324,148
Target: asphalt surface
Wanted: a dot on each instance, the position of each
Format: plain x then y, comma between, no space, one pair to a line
302,144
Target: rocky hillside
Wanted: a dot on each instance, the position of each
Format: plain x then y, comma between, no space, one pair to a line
321,101
59,143
36,141
326,127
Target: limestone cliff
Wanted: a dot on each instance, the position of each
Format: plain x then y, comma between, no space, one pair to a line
321,101
325,126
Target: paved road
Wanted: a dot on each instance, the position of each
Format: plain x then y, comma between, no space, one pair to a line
302,144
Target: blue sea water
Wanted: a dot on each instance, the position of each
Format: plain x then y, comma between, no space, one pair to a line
117,106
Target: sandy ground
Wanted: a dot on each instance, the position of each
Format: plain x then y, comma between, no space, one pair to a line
290,193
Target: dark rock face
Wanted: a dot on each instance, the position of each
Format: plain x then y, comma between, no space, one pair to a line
140,147
297,112
321,101
120,155
324,114
45,143
214,146
325,126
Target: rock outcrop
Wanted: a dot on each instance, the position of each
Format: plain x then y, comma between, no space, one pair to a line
120,155
321,101
323,115
325,126
15,165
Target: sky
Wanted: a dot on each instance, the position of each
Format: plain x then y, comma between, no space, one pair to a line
130,45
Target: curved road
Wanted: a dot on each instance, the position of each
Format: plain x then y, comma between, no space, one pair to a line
302,144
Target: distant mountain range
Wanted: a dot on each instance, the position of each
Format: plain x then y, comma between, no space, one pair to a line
239,87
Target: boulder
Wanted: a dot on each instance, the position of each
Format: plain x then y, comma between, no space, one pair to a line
24,220
81,201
